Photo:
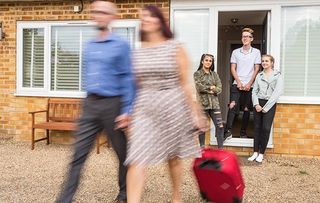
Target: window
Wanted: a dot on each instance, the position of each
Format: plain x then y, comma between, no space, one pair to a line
299,51
49,57
66,61
33,57
189,25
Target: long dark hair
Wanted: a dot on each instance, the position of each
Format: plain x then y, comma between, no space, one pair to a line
201,60
156,12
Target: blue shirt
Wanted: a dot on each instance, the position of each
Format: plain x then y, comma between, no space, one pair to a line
108,70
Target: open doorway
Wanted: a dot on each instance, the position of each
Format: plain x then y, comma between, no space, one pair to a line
230,24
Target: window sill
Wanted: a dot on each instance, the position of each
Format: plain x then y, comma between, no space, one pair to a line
238,142
298,100
51,94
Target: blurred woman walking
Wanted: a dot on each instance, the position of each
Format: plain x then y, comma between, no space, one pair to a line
164,116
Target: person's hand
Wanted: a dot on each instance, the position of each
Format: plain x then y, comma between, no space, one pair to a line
122,121
247,87
258,108
239,85
200,122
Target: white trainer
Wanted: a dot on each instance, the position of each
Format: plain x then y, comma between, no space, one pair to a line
253,157
259,158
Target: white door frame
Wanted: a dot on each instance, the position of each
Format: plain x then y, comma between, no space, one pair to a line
219,6
273,48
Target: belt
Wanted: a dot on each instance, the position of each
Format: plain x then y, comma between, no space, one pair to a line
96,96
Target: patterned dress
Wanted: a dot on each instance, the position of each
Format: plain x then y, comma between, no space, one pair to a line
162,126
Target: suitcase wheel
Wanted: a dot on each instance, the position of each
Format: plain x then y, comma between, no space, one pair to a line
237,200
204,196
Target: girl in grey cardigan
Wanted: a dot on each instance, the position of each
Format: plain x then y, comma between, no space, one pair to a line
267,88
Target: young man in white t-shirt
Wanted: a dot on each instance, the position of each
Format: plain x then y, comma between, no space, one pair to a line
245,64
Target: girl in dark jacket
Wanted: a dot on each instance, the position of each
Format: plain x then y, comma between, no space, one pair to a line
208,87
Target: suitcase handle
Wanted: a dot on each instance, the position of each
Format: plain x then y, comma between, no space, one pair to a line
210,164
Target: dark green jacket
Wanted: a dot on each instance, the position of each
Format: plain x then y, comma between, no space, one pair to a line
208,98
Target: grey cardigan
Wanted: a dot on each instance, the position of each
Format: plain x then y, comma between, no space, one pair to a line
269,89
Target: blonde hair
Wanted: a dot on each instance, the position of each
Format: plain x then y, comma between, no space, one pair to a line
269,56
246,29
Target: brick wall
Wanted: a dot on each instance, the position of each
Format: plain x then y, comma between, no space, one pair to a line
296,132
14,118
296,128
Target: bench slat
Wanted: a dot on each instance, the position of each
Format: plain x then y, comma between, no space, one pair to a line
68,126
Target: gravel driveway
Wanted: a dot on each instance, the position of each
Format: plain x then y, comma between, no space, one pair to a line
36,176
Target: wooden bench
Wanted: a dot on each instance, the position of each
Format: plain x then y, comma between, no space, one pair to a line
61,114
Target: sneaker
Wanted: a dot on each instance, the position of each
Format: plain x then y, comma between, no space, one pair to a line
243,134
253,157
259,158
227,135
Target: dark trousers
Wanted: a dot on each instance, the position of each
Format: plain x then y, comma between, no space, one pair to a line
242,101
215,115
262,127
98,114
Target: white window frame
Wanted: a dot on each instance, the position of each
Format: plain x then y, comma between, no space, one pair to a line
299,99
46,25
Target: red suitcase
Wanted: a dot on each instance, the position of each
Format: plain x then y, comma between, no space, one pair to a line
219,176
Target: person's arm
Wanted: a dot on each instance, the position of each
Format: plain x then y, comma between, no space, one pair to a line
256,70
275,95
218,87
84,67
257,63
255,90
201,88
247,87
127,83
233,70
183,69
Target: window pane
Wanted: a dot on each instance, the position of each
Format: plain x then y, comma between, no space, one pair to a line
127,33
33,57
66,51
313,82
191,28
299,50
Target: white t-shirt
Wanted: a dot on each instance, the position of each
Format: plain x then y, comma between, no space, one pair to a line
245,63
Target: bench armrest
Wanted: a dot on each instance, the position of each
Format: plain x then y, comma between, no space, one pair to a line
33,112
